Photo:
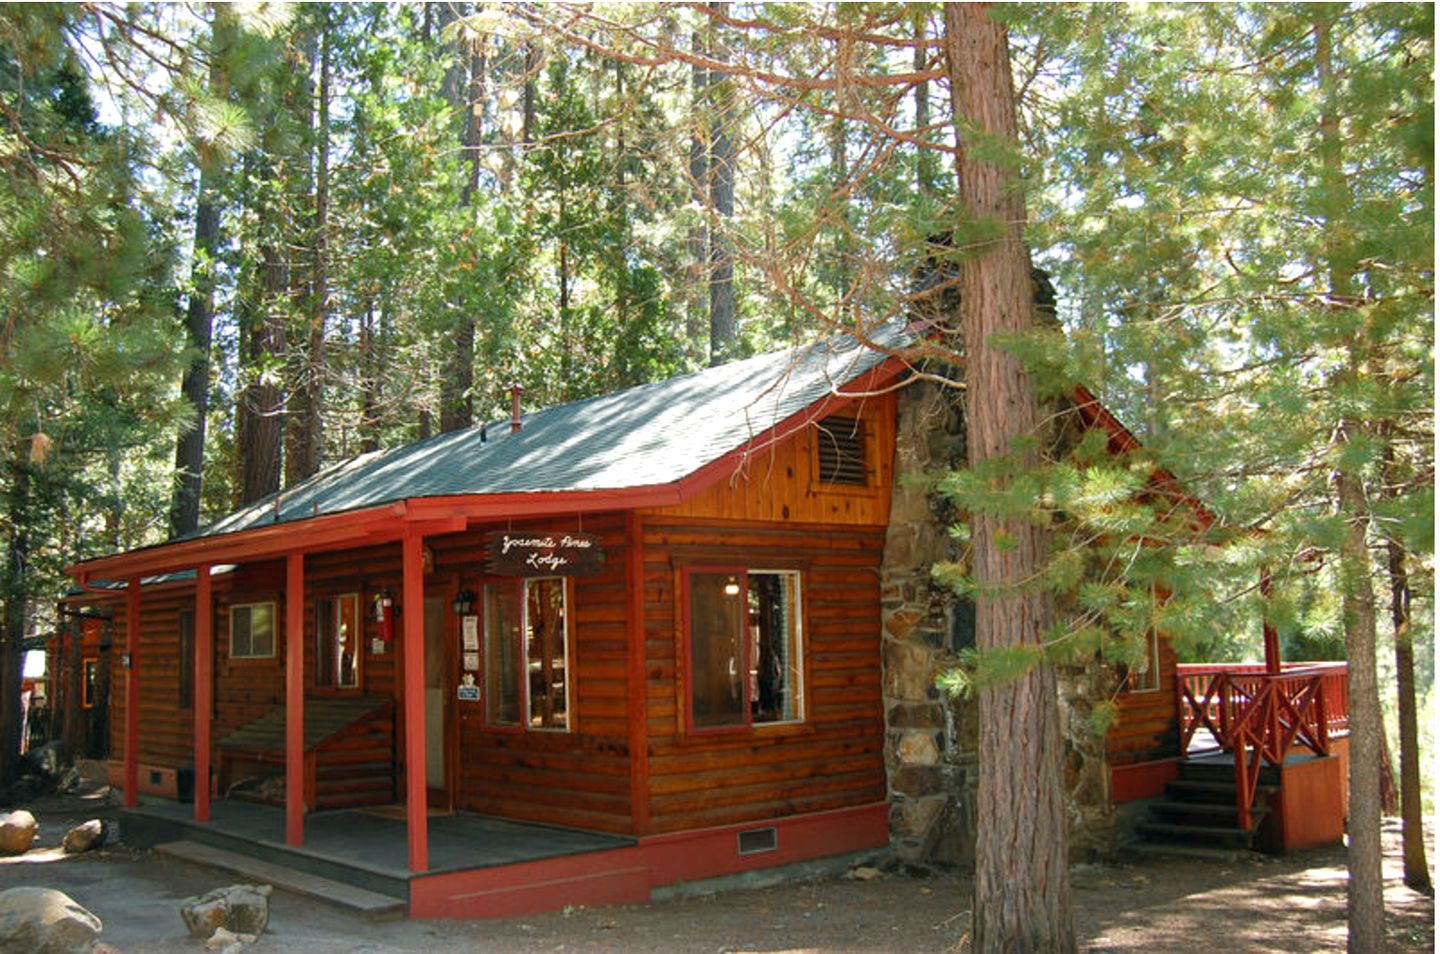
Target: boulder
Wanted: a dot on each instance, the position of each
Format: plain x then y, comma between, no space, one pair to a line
83,837
45,921
240,909
17,832
48,760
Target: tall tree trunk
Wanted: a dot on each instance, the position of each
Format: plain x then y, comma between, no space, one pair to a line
369,382
200,313
17,605
722,200
697,284
925,158
260,407
1366,901
457,383
1022,887
303,410
1412,817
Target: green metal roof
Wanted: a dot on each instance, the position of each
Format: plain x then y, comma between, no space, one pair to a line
645,436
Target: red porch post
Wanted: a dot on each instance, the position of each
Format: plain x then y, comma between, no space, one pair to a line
201,698
295,699
412,644
132,694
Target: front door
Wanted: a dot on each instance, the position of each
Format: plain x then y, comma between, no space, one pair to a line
436,696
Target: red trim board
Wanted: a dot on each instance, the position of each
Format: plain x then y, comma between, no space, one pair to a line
628,875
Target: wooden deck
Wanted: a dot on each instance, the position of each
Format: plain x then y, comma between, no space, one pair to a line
365,848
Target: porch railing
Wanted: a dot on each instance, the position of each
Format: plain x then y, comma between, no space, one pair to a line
1261,717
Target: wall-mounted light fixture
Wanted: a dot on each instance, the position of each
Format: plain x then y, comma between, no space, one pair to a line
464,603
732,587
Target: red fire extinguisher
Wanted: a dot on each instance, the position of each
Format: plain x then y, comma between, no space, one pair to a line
384,616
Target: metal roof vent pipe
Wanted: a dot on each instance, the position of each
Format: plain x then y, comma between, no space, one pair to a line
515,422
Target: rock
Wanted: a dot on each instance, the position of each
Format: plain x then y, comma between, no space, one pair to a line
240,909
47,760
70,781
45,921
84,837
866,873
227,940
17,832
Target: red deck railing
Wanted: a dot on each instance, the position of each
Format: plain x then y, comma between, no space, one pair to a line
1262,717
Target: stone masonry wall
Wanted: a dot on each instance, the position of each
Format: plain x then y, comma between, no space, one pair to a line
931,753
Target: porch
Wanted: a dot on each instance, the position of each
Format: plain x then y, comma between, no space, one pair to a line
352,855
1264,757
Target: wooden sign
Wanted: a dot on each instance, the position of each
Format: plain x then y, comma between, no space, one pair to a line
540,553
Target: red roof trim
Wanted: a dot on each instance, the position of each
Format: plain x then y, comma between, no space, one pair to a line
1122,441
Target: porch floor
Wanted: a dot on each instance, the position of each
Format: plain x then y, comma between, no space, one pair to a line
368,842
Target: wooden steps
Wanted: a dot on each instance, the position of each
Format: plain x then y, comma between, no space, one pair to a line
1196,816
370,904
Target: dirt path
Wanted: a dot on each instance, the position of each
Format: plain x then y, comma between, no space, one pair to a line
1267,904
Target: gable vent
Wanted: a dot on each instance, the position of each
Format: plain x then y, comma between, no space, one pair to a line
840,451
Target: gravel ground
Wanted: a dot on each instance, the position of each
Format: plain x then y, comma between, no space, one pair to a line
1296,903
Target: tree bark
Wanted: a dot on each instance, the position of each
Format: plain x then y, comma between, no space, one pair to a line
1366,900
1412,816
457,383
305,431
17,604
722,203
1022,888
200,316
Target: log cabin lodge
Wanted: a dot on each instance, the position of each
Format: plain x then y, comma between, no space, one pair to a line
611,647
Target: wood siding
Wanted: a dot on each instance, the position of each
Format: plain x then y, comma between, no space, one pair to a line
1149,724
833,758
579,777
780,483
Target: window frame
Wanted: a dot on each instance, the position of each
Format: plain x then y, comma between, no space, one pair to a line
274,631
89,687
324,642
799,649
520,586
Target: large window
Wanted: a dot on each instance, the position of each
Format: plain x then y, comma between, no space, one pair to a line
252,631
743,645
526,659
337,642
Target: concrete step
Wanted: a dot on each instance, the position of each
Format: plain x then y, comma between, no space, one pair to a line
368,903
1204,813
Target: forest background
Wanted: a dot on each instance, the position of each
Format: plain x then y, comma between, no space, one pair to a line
239,243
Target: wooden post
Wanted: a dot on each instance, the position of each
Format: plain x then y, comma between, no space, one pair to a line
412,645
295,699
201,698
132,694
1273,663
635,688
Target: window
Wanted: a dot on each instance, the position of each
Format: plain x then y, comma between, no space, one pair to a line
1143,675
840,452
526,657
89,681
252,631
743,645
187,659
337,642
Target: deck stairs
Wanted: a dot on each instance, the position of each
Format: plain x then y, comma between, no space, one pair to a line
1196,816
